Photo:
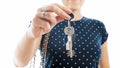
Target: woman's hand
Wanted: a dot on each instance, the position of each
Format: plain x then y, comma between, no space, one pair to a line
47,17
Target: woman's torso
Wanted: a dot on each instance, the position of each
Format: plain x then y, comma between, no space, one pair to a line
87,45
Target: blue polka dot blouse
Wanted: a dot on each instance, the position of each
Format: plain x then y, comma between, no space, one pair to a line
90,34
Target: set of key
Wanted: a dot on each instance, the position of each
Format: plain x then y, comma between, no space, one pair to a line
69,31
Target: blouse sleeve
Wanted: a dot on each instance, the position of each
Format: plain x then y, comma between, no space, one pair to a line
104,32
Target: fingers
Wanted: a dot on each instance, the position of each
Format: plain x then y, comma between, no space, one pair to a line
41,23
68,11
45,19
39,27
59,10
48,16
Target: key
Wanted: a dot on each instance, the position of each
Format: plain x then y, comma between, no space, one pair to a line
71,53
69,31
69,43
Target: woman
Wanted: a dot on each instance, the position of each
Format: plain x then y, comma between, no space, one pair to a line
89,45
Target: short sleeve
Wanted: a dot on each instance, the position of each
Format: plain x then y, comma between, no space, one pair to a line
103,32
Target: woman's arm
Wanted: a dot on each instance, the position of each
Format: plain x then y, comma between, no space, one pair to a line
104,62
25,50
42,23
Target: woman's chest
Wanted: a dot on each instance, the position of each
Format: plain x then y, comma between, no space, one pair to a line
86,43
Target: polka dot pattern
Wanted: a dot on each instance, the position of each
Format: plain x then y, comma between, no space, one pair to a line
90,34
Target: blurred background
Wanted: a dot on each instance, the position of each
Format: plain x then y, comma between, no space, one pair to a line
15,16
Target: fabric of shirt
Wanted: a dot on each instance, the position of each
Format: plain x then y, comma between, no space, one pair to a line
89,36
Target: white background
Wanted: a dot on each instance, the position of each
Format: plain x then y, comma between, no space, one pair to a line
16,14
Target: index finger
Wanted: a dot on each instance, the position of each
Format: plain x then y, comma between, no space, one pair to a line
64,9
60,11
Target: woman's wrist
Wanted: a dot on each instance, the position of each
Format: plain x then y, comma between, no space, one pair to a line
30,35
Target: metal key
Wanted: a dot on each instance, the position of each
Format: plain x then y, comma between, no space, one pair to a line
69,43
69,31
71,53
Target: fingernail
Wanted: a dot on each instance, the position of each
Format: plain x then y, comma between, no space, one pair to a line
68,17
